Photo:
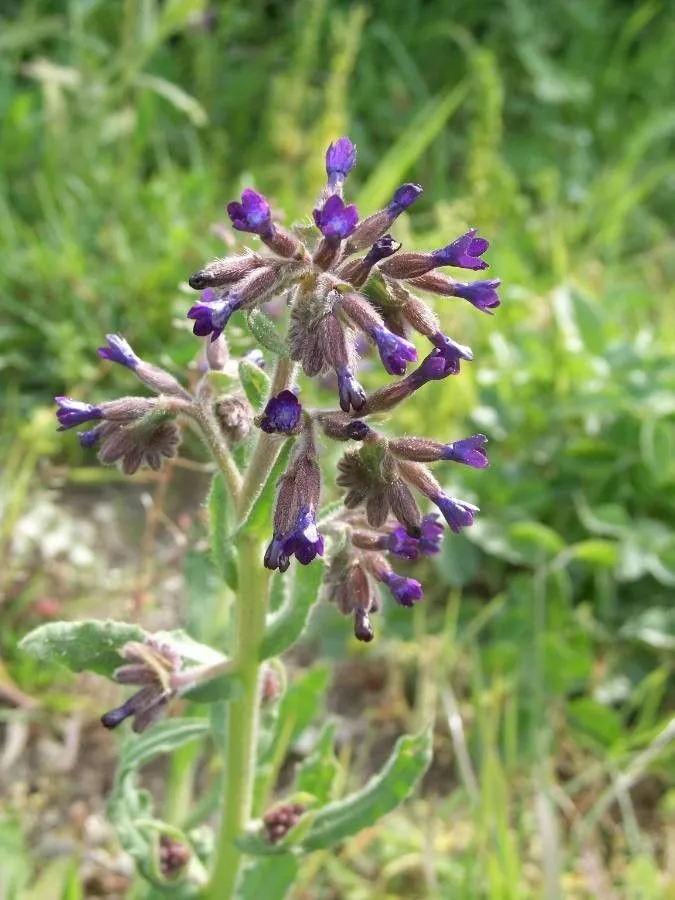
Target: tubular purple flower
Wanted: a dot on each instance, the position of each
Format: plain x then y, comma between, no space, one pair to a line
211,316
304,540
89,438
252,214
404,546
395,352
282,414
119,351
275,556
334,220
463,253
468,451
405,591
403,198
457,513
481,294
72,413
340,160
452,351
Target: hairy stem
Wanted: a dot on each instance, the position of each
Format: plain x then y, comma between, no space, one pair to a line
242,721
205,418
267,447
249,632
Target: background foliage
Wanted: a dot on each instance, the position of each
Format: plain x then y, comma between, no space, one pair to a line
547,641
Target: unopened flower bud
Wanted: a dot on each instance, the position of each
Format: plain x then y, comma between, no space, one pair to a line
226,271
217,353
468,450
341,427
403,505
356,271
279,821
173,856
340,160
235,415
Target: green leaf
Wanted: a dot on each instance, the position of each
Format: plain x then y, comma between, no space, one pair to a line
224,687
288,719
221,519
255,382
139,750
285,626
657,446
536,543
264,331
318,773
260,517
595,721
268,877
88,646
596,552
405,767
654,627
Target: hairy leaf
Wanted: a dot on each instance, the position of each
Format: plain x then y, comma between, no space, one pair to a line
90,645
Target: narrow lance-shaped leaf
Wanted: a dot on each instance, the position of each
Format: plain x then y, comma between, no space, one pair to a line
318,773
285,626
264,331
88,646
139,750
405,767
223,550
268,877
255,382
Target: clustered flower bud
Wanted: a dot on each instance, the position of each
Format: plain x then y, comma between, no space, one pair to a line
173,856
348,284
279,821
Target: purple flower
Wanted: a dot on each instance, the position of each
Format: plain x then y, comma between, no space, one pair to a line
73,412
468,451
119,351
431,536
212,315
252,214
404,197
304,539
381,249
456,513
404,546
481,294
452,351
405,591
275,557
282,414
340,160
334,220
351,393
88,438
395,352
464,253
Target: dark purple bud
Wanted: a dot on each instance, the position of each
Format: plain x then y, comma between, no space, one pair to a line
404,197
89,438
340,160
116,716
282,415
119,351
73,412
381,249
405,591
363,627
464,253
395,352
357,430
468,451
352,395
304,540
456,513
252,214
211,315
481,294
275,557
334,220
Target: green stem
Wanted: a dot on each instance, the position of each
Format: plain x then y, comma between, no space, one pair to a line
266,449
249,632
242,721
209,428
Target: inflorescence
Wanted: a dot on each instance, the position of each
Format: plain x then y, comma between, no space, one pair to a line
351,283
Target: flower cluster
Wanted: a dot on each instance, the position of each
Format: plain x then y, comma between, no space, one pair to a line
348,284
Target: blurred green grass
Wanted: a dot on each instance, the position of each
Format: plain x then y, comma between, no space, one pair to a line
548,639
